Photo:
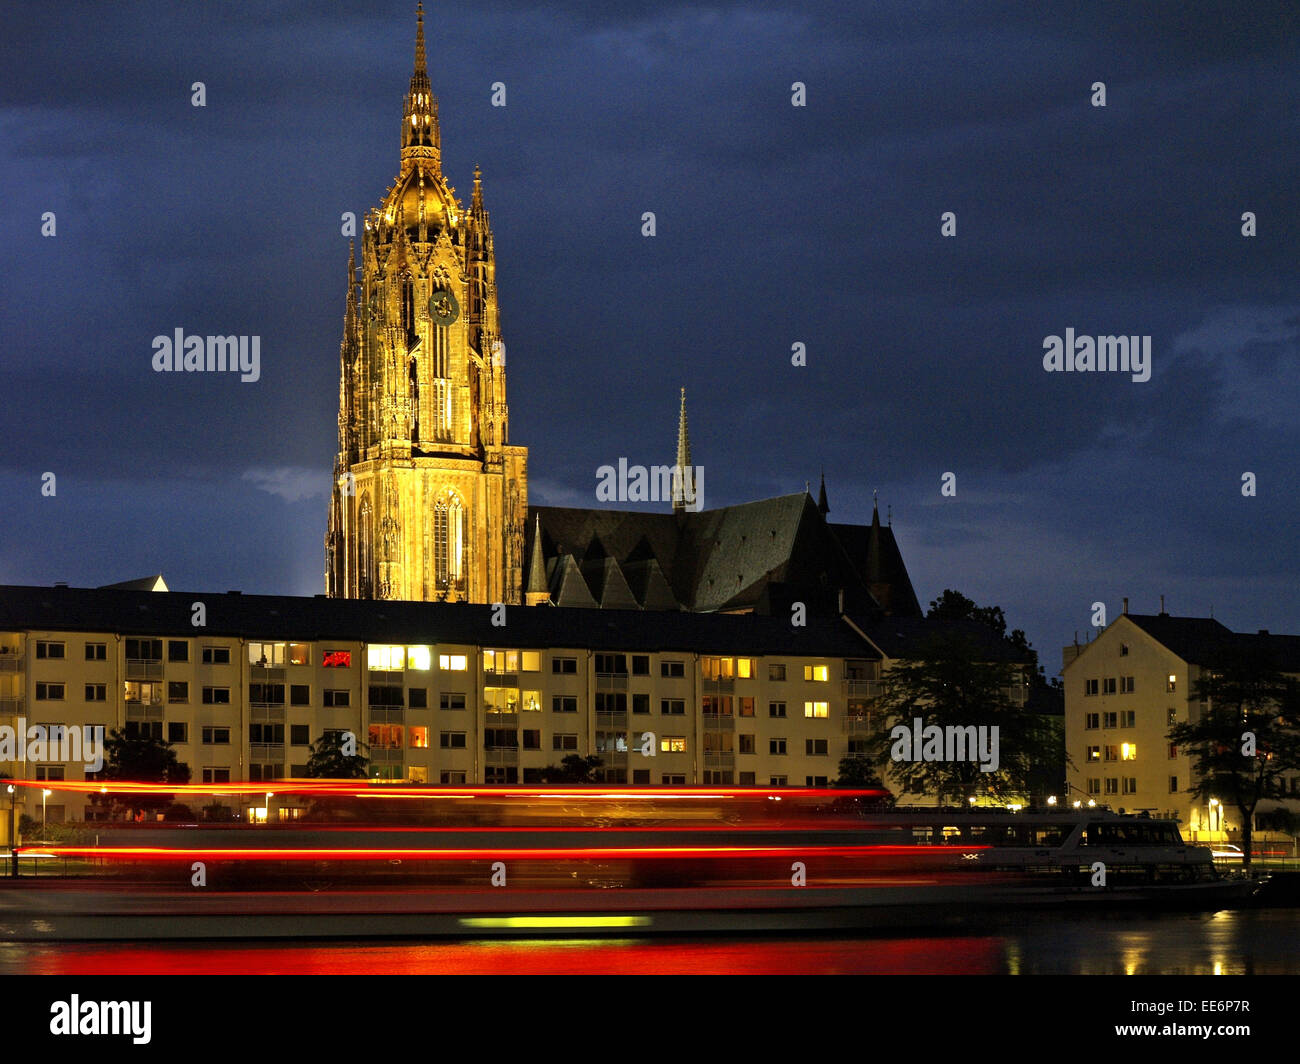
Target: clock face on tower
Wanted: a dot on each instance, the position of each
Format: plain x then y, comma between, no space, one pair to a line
443,308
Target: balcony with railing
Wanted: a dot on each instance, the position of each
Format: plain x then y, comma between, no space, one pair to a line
266,712
859,688
611,720
719,759
266,752
138,710
387,714
385,754
611,681
11,660
859,724
143,669
258,673
718,721
495,756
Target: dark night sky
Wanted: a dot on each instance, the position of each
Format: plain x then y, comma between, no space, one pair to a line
775,225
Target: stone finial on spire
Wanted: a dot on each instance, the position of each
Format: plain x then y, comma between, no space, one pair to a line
420,136
683,473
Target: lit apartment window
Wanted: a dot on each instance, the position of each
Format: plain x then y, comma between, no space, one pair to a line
744,668
451,740
451,700
271,655
673,670
48,649
96,692
716,706
814,747
336,699
453,662
1092,720
216,696
49,692
746,706
564,704
96,651
776,709
216,655
776,673
1090,686
564,741
336,659
178,650
816,673
419,738
512,661
672,707
816,709
1173,784
1127,685
419,658
565,666
673,744
1094,753
386,658
1171,716
1108,685
1172,685
299,654
1128,751
776,746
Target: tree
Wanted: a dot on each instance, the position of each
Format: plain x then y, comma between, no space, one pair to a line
138,759
337,755
858,773
1248,737
573,769
950,683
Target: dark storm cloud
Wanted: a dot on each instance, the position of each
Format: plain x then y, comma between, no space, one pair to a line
776,224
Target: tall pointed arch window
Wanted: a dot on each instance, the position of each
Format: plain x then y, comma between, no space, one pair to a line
449,542
365,549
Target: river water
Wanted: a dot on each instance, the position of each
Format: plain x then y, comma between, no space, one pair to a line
1262,942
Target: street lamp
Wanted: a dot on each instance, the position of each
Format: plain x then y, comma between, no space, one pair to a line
13,825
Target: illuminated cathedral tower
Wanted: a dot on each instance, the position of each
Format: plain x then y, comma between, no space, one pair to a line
429,500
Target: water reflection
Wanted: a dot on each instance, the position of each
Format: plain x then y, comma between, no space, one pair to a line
1228,943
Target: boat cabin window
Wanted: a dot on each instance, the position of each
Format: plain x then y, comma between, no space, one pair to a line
1145,834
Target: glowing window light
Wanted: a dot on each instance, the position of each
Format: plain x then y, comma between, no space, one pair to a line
420,658
544,922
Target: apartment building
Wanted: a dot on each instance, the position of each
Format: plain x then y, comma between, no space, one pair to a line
1123,692
440,693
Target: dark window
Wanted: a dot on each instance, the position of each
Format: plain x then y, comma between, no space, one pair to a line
418,697
177,731
300,694
96,651
451,700
640,664
564,704
640,703
144,649
564,665
216,655
532,739
178,691
178,650
338,698
674,670
300,734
